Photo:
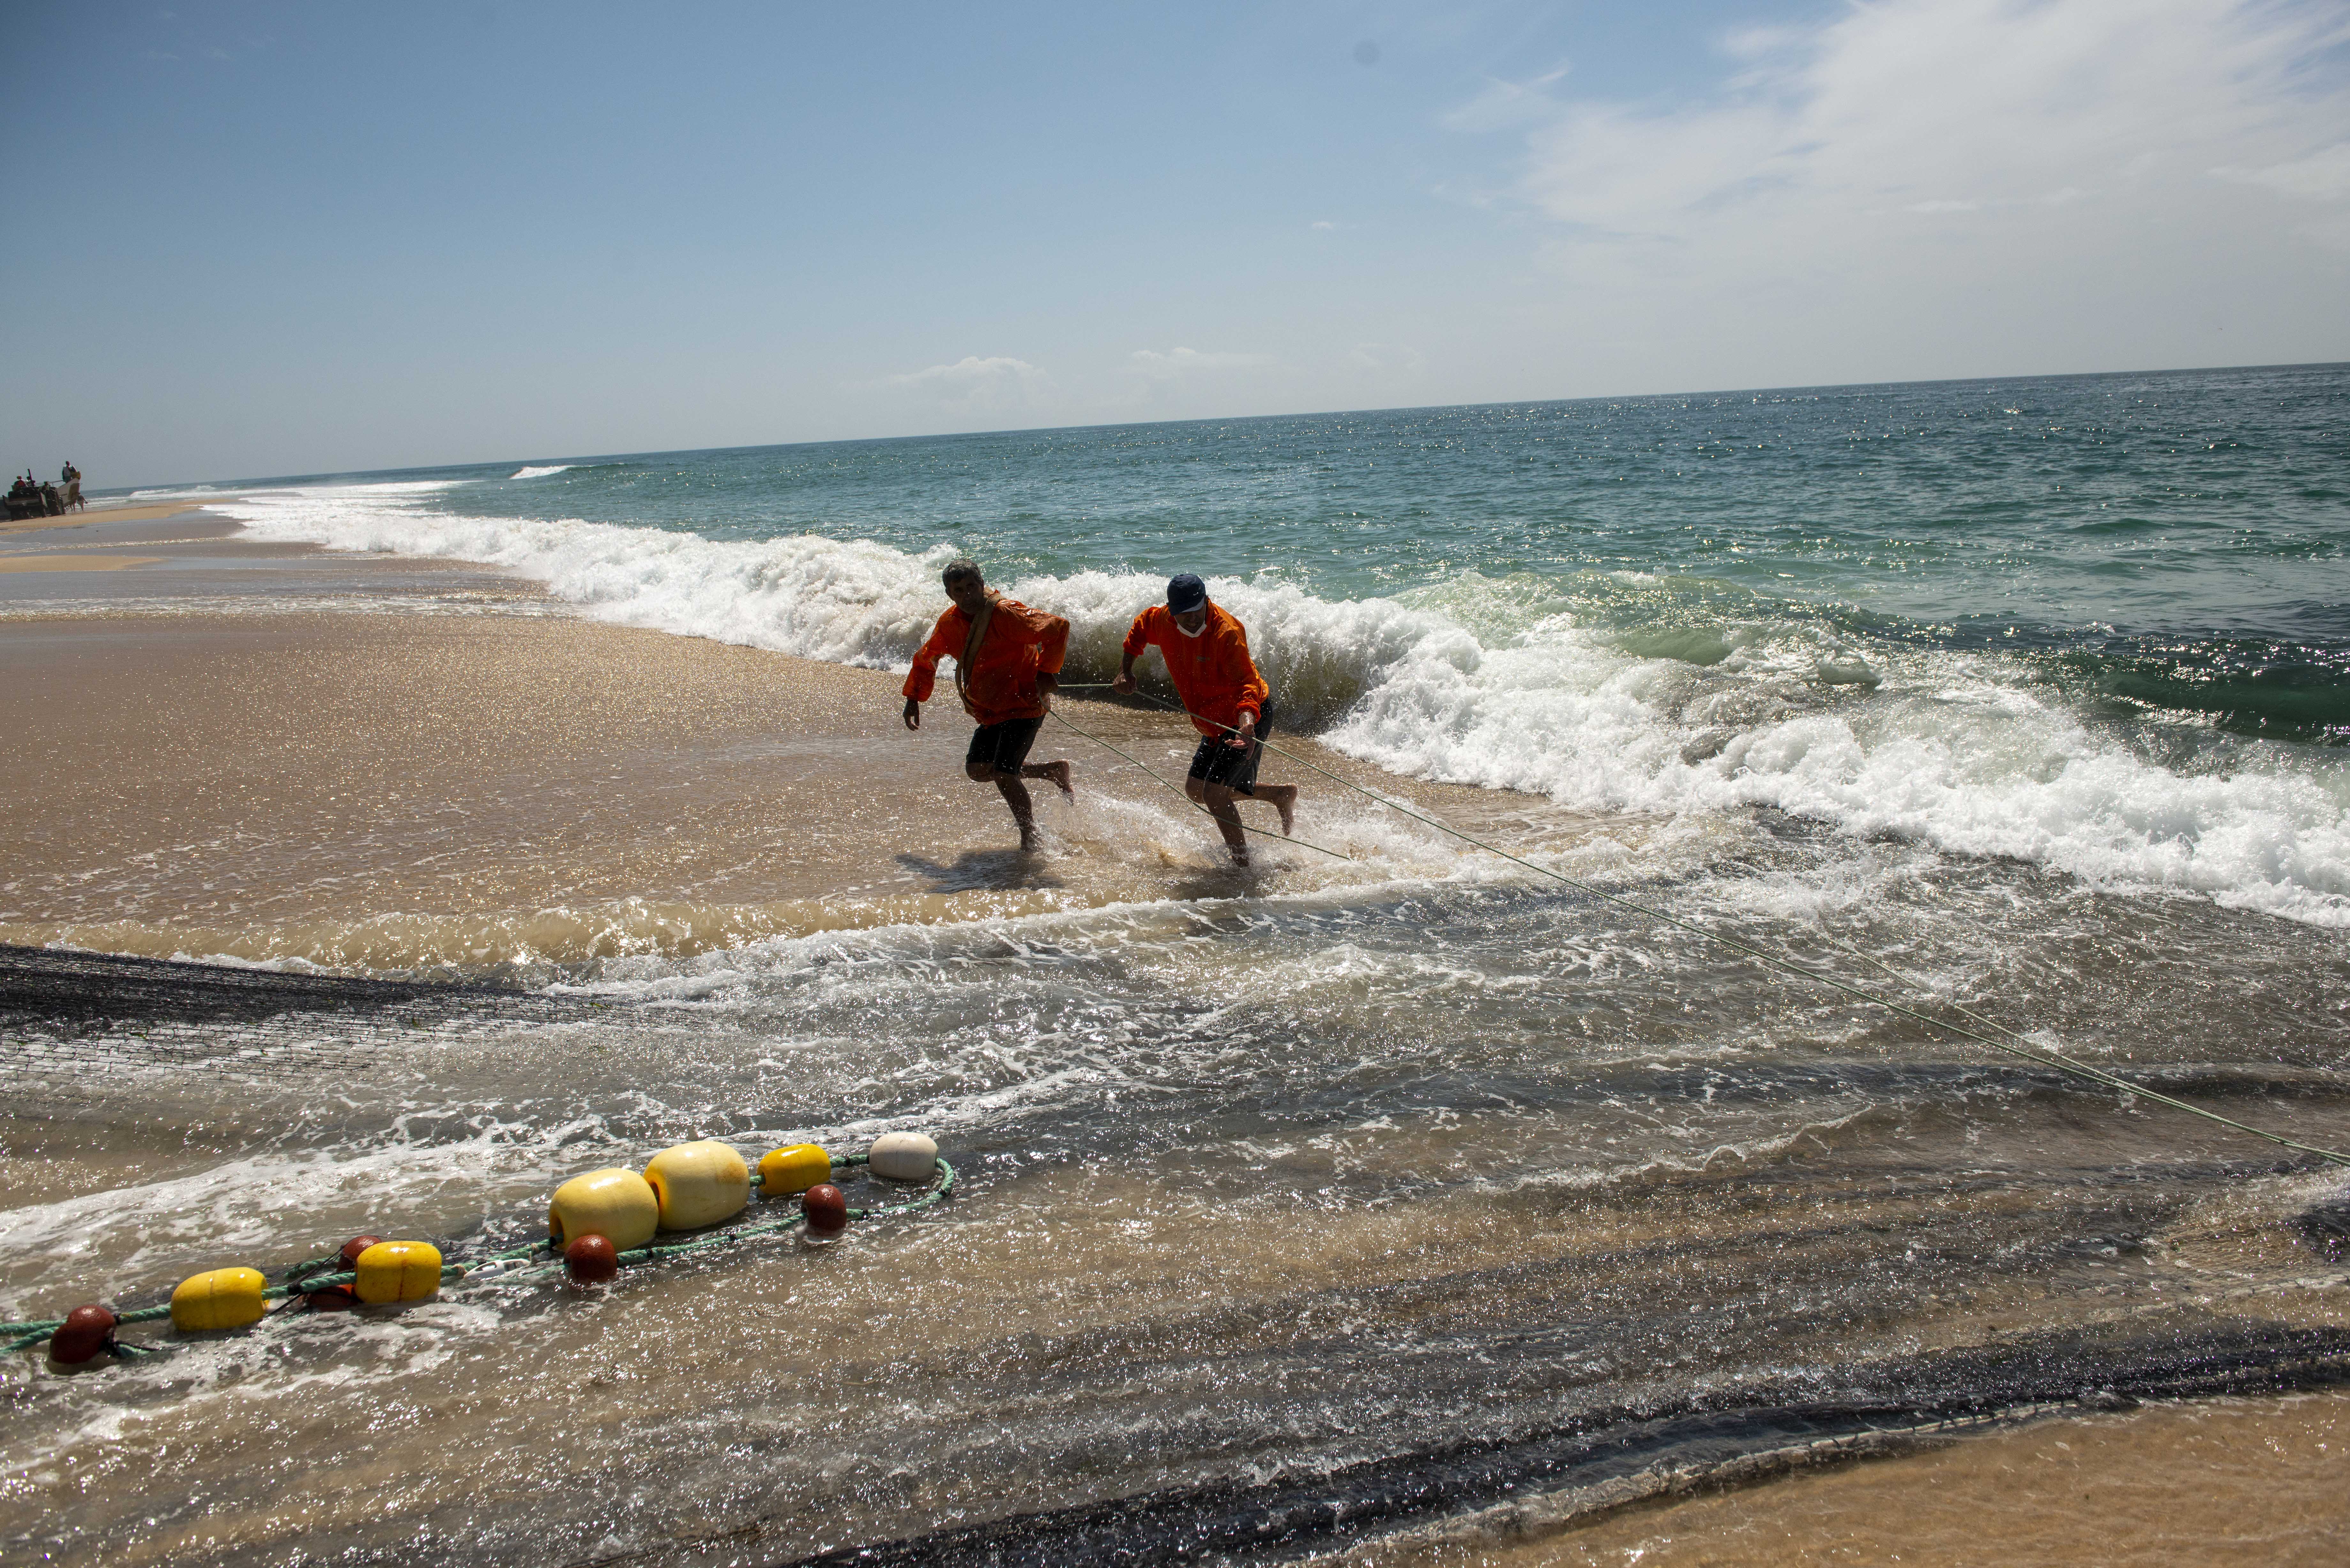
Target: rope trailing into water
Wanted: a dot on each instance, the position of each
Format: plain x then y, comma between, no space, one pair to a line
2043,1055
1178,793
323,1272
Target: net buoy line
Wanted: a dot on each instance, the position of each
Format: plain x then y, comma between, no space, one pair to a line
597,1224
2046,1056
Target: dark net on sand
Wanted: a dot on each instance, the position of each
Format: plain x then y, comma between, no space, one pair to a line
63,1013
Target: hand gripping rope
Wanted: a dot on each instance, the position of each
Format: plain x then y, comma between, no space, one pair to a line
366,1272
2012,1045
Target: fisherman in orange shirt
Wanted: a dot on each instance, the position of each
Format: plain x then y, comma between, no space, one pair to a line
1007,664
1207,655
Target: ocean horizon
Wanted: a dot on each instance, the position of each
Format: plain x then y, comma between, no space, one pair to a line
2114,582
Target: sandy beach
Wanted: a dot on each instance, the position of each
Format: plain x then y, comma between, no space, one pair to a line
2229,1480
223,748
442,768
102,512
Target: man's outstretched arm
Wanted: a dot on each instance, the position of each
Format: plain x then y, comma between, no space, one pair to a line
1138,640
923,679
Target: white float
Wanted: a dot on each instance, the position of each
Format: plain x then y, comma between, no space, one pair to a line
904,1157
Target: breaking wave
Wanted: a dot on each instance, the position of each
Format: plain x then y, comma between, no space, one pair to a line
1603,691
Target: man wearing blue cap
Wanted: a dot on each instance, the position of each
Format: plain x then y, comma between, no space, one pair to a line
1207,655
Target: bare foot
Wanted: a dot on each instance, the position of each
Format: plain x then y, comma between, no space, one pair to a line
1059,774
1287,805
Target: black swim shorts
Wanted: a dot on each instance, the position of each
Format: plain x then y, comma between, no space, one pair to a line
1233,767
1004,746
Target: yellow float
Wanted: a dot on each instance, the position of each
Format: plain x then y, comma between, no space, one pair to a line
787,1172
698,1184
397,1271
219,1298
618,1204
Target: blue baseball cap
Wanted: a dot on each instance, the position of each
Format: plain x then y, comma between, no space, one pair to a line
1185,593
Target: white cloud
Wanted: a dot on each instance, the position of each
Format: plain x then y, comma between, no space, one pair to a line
1752,43
1323,224
1505,105
975,385
1175,363
2323,176
1985,101
1386,359
1956,162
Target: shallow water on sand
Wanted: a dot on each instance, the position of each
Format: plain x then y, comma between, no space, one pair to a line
2093,622
1255,1186
2230,1479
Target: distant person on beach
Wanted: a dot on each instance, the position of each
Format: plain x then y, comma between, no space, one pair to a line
1207,653
1007,666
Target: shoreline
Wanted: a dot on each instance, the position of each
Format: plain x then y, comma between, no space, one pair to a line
96,512
406,789
2195,1480
279,753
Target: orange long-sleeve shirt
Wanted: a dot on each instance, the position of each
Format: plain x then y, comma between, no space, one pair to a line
1212,672
1001,682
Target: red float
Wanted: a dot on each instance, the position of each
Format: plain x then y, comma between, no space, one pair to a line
331,1298
354,1247
825,1209
590,1259
88,1330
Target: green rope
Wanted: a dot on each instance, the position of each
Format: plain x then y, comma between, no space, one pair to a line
945,1176
303,1271
2048,1057
28,1334
1187,799
303,1278
939,1194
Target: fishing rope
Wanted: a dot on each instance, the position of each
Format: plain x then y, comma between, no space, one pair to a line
325,1271
2045,1055
1177,792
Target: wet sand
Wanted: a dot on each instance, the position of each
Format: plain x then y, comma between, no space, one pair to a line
410,786
168,557
2225,1481
90,563
97,512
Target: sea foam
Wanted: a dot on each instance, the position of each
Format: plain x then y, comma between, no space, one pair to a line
1480,682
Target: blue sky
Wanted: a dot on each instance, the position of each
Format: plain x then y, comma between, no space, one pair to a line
303,238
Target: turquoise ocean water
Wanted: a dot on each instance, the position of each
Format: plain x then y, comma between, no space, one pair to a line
2101,623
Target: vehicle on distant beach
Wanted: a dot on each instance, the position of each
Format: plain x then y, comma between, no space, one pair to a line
31,498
